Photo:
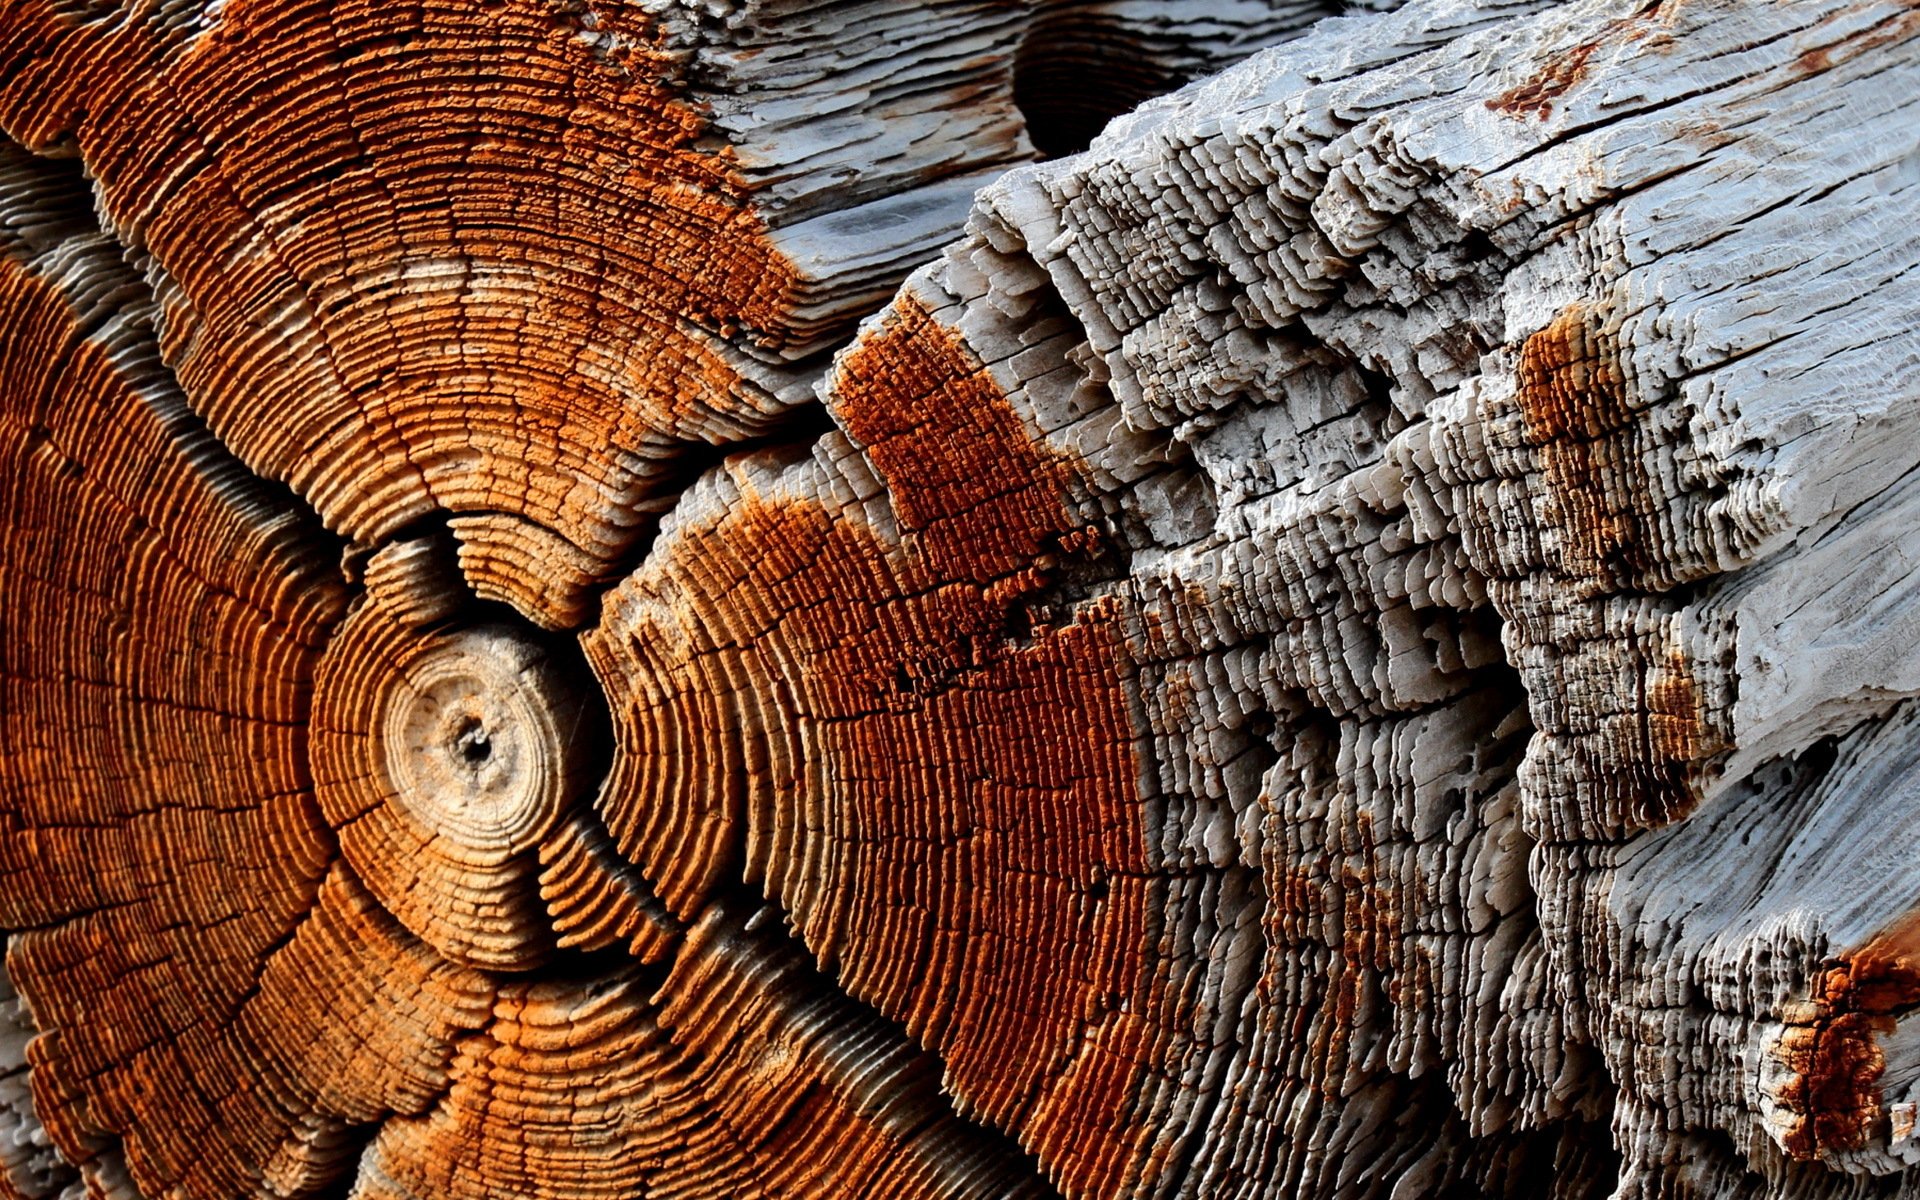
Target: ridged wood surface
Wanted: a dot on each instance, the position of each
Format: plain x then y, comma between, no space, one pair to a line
691,599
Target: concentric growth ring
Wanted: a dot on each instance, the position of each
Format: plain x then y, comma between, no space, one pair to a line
444,750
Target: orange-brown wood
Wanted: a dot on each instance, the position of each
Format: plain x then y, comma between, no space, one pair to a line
939,793
364,220
283,824
159,839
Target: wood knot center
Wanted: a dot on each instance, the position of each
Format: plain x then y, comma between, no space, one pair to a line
448,741
475,740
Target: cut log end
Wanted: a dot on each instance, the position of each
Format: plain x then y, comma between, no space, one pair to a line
684,600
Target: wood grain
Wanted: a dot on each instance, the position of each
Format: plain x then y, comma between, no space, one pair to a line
837,598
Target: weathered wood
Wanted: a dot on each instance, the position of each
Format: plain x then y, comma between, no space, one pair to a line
1355,639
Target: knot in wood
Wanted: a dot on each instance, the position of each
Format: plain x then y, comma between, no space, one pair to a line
473,742
443,753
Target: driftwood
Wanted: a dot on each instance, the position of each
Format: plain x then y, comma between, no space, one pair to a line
1356,638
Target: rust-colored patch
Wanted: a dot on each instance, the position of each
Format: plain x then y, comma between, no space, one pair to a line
1678,740
1563,73
1649,766
1573,397
1298,894
1834,1093
1890,32
1813,62
1570,379
1556,78
1370,934
1605,521
1673,711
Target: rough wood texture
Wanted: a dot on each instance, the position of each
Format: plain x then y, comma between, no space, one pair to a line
1355,639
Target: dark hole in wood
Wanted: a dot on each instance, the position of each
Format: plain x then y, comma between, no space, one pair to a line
1075,71
472,743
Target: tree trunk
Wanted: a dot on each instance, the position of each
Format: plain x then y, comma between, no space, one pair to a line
1355,639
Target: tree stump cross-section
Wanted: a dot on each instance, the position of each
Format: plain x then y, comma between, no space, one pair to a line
1195,598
